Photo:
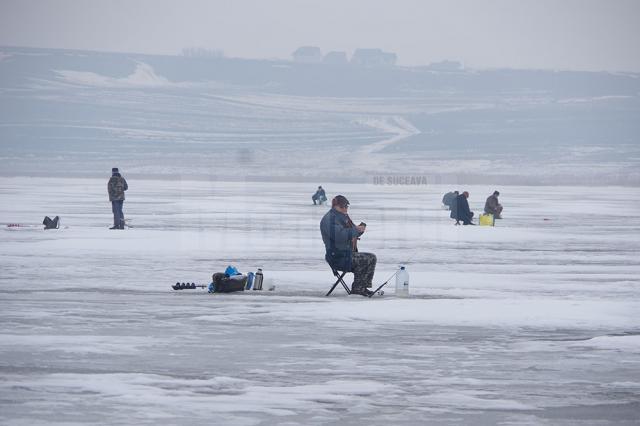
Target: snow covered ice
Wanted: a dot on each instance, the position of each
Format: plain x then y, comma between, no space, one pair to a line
535,321
532,322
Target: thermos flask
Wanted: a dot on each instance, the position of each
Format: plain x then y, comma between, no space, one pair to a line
257,280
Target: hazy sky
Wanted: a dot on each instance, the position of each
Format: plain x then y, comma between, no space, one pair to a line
559,34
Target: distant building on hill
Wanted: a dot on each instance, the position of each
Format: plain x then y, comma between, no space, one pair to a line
446,66
199,52
373,58
335,58
308,54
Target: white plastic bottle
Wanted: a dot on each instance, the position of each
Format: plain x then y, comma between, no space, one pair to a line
402,282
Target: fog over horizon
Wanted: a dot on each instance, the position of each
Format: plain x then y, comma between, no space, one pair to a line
75,113
462,92
592,35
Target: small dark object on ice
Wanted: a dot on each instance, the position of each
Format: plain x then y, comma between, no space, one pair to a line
368,293
51,223
379,290
187,286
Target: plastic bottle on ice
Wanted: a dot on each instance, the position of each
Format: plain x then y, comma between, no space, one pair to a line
402,282
250,278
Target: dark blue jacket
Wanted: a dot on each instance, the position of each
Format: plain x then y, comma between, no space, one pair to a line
462,211
337,237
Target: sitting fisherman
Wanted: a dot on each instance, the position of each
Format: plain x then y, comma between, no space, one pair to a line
319,196
340,237
493,206
449,198
462,212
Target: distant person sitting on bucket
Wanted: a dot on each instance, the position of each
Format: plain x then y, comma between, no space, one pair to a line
340,237
449,198
493,206
116,187
319,196
462,211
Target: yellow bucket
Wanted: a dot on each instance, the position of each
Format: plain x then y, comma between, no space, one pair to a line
487,219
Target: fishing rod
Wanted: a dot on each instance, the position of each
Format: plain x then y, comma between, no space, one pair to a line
415,252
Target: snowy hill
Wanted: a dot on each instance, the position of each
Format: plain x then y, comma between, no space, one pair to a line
76,113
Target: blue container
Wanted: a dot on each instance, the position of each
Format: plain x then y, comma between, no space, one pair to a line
231,271
250,277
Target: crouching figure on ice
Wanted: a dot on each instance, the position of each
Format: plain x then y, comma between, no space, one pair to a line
493,206
320,196
462,212
340,237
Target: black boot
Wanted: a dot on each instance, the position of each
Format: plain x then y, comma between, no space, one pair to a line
362,291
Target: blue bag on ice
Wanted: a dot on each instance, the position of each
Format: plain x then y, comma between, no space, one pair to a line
231,271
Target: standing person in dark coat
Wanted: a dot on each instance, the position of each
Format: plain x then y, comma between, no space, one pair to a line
319,196
449,198
493,206
116,187
340,236
462,212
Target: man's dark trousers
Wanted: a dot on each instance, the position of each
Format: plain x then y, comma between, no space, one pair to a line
363,266
118,215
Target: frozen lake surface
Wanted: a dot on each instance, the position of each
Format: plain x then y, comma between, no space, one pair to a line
535,321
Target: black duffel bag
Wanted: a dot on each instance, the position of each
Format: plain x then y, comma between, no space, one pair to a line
225,284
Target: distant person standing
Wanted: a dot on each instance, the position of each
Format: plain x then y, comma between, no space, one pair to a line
493,206
116,187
